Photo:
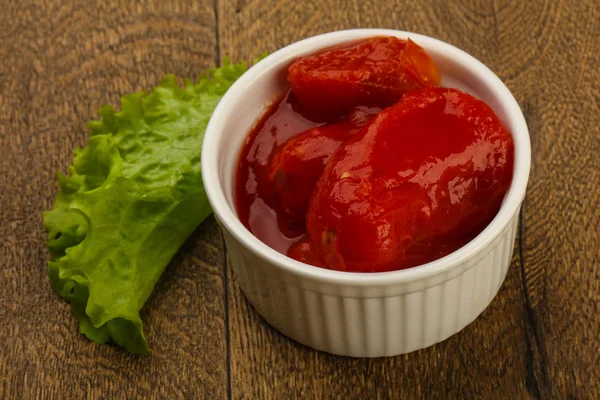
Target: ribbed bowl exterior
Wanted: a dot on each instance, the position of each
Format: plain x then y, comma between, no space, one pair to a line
358,322
362,315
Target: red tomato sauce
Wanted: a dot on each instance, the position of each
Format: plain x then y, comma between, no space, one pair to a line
254,197
394,174
256,202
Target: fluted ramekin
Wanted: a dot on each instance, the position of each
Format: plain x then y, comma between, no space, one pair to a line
362,314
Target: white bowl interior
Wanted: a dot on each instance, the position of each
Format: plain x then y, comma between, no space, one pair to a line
248,99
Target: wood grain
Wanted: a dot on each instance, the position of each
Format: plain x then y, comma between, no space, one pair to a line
60,60
561,246
543,50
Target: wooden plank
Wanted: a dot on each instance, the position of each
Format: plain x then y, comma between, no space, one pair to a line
561,241
60,61
492,357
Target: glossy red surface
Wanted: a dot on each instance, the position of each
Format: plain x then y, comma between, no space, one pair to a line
424,178
254,197
295,168
373,72
373,190
282,159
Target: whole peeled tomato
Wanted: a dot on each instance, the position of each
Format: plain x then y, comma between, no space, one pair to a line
296,167
421,180
372,72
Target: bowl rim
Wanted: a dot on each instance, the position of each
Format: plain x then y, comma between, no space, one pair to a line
229,220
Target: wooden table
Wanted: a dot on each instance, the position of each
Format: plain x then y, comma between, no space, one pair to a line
61,59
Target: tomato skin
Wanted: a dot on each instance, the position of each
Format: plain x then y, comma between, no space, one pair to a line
421,180
372,72
296,167
331,180
302,251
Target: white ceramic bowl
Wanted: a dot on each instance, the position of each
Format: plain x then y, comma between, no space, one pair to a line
362,314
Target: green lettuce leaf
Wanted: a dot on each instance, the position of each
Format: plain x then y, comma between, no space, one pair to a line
132,197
